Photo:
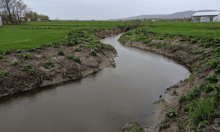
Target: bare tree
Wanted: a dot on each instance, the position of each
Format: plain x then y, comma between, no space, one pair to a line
14,9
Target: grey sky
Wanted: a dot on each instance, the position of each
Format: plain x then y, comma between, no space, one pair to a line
107,9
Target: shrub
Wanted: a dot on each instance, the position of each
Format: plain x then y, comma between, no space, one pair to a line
29,68
48,64
78,49
15,63
27,56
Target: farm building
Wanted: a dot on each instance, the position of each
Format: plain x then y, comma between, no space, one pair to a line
206,17
28,19
0,21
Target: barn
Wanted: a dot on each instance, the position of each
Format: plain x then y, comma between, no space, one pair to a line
0,20
206,17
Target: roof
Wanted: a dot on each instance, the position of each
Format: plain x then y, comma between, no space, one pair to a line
214,13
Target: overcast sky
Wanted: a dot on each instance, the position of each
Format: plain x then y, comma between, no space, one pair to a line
107,9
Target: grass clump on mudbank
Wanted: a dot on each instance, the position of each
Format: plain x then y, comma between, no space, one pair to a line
78,49
1,56
94,52
60,52
15,63
27,56
132,127
29,69
5,73
73,58
48,64
18,51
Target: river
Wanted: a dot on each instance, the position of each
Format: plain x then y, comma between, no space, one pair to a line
101,102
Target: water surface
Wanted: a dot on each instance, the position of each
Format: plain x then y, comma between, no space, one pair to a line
102,102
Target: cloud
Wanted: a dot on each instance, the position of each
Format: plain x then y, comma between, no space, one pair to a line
107,9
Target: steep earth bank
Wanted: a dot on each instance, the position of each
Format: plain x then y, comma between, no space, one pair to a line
26,70
193,55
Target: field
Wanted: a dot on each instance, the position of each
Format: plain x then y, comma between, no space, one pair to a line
38,33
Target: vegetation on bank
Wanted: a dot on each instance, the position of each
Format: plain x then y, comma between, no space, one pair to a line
201,103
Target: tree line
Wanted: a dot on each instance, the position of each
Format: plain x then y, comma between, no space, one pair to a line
17,12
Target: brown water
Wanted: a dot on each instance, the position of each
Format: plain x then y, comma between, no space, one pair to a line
102,102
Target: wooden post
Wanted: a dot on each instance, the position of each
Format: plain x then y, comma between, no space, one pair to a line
0,21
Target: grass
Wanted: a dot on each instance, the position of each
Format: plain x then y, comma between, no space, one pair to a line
15,63
73,58
29,69
5,73
35,34
48,64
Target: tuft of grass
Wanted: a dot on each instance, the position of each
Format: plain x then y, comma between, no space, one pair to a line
60,52
170,113
73,58
5,73
201,112
27,56
94,52
6,60
1,56
193,76
15,63
18,50
29,69
48,64
78,49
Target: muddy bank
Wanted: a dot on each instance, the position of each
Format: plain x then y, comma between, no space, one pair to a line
186,53
93,56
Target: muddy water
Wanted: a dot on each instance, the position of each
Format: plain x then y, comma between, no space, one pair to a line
102,102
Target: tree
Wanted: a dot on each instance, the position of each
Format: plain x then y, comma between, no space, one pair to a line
14,9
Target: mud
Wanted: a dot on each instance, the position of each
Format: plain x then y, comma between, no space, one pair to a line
184,56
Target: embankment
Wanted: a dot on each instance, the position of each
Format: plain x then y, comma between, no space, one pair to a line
78,55
176,106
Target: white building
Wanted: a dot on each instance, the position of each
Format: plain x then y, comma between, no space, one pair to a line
28,19
0,21
206,17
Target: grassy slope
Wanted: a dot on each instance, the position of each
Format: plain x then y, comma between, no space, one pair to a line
15,37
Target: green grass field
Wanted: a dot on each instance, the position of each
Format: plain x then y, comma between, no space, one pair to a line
37,33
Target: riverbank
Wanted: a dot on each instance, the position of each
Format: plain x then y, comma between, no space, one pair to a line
78,55
177,106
